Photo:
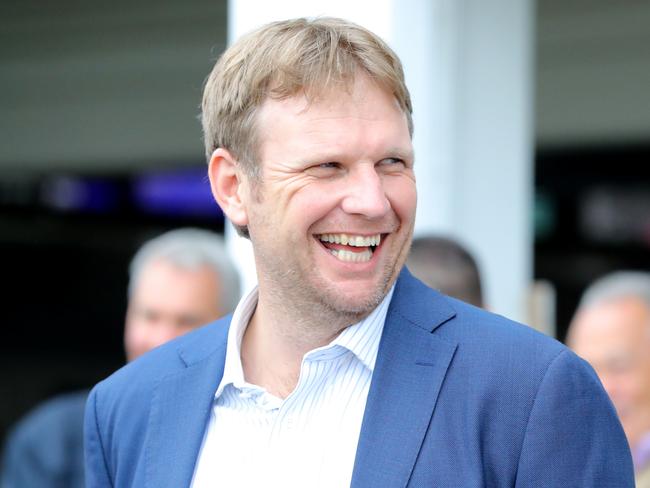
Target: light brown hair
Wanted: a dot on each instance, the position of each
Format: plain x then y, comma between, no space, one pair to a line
281,59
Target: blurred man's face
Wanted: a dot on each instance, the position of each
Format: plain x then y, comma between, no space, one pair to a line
615,338
168,301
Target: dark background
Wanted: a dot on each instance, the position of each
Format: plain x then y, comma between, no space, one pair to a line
66,276
592,216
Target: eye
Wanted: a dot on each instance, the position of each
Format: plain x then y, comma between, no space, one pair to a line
392,163
329,165
147,315
324,169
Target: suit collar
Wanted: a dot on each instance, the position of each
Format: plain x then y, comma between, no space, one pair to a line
181,407
420,305
411,366
204,342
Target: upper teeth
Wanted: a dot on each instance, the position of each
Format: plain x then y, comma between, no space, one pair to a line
350,240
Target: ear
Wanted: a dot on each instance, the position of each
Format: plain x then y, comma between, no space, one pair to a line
229,186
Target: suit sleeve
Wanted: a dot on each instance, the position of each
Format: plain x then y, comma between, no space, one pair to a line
573,437
97,474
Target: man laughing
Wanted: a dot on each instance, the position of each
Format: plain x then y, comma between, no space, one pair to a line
341,369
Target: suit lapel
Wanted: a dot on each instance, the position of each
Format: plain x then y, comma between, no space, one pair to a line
180,411
411,366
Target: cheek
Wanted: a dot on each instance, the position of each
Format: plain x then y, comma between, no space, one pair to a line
284,188
311,204
172,333
638,386
134,334
402,195
160,334
275,201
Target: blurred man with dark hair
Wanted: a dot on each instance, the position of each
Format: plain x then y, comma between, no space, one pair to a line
445,265
611,330
178,282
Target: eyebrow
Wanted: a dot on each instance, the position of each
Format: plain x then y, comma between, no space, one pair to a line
401,153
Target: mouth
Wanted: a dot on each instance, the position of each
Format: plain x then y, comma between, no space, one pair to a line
351,248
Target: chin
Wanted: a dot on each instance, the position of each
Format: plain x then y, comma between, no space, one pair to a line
355,304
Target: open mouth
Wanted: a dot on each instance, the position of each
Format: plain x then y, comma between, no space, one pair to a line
350,248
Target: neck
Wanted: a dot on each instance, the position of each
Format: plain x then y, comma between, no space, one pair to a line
278,336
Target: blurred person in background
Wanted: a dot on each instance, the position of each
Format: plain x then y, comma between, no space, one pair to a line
611,330
445,265
178,282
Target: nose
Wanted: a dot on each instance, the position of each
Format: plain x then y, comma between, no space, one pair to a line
365,193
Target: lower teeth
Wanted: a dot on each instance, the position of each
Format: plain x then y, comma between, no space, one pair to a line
352,257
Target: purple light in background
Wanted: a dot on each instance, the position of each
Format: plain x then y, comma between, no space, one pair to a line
178,193
77,194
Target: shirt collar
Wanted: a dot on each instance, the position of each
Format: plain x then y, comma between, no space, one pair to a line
233,371
362,338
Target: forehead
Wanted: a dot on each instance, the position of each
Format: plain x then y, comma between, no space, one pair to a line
361,110
615,324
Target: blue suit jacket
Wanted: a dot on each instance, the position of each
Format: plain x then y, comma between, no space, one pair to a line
459,398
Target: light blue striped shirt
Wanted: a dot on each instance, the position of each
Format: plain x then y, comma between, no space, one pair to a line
309,439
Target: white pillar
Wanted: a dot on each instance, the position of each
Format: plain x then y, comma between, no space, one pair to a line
475,172
494,140
468,67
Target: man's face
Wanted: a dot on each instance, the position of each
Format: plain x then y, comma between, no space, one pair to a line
168,301
332,217
614,337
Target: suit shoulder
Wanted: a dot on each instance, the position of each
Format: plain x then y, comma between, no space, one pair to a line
496,333
492,346
141,375
459,322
